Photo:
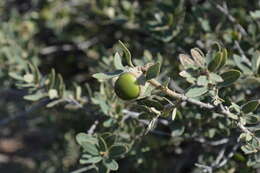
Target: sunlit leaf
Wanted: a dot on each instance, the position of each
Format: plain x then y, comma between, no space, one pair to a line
153,71
196,91
250,106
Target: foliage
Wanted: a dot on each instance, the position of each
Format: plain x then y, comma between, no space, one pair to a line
198,67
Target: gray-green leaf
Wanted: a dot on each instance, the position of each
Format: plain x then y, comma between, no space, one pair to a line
111,164
106,76
127,54
153,71
95,159
202,81
83,137
34,97
250,106
216,62
196,91
214,78
118,61
15,76
230,77
117,150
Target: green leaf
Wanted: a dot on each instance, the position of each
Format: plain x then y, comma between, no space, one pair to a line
15,76
248,149
102,168
215,63
118,62
102,144
174,113
106,76
34,97
83,137
230,77
109,138
252,119
241,64
77,92
255,14
239,157
224,58
153,71
29,78
54,103
187,76
35,71
127,54
256,62
214,78
111,164
53,93
202,81
196,91
117,150
52,78
90,148
108,123
25,85
61,86
250,106
90,160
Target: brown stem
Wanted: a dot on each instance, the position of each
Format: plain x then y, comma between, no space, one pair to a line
217,108
182,97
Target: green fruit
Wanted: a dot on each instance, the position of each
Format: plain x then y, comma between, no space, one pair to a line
126,86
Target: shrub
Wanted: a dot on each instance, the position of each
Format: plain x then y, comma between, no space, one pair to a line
178,93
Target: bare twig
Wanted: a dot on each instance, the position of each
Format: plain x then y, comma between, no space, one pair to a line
206,169
217,108
221,159
93,127
241,51
84,169
212,143
230,155
68,47
224,10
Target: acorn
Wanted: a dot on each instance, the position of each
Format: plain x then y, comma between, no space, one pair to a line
127,87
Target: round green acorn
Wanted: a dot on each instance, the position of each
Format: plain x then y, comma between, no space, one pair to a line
126,86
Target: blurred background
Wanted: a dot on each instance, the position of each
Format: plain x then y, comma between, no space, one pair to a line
77,38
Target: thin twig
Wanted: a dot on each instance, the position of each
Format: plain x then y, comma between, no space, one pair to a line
84,169
230,155
244,57
217,108
206,169
93,127
221,159
224,10
68,47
